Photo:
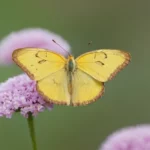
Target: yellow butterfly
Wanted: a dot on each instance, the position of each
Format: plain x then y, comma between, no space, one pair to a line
69,81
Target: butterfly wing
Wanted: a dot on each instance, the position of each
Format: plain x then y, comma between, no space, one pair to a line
103,64
55,87
85,89
48,69
38,63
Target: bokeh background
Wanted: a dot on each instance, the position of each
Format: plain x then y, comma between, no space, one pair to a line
117,24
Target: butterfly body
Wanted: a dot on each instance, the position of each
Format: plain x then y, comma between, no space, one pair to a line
71,64
69,81
70,68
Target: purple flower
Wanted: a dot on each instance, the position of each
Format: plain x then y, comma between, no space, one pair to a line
131,138
36,37
19,94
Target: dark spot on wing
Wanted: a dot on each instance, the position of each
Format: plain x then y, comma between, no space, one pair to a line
99,63
95,55
105,54
36,55
41,61
31,65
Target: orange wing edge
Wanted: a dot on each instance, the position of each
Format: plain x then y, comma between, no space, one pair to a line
50,100
122,66
92,100
14,58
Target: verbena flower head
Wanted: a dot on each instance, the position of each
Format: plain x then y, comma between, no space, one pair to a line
19,94
131,138
32,37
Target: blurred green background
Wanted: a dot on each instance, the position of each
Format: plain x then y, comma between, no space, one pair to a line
117,24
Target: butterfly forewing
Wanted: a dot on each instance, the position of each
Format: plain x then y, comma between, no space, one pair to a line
103,64
38,63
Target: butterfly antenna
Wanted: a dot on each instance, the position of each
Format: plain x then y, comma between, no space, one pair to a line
61,47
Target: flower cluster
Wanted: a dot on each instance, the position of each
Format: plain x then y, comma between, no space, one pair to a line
32,37
19,94
131,138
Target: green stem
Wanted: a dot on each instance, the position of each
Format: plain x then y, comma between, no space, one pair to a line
32,131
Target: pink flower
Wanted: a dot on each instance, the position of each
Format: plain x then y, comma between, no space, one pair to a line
131,138
19,94
36,37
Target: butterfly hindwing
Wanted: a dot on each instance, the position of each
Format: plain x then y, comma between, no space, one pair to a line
55,87
85,89
38,63
103,64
